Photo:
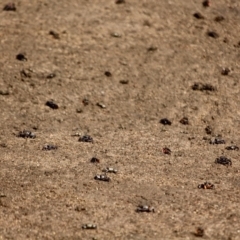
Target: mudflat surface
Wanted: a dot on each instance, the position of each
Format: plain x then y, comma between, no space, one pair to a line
115,70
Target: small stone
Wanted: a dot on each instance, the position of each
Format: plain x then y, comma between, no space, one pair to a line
101,105
225,71
165,121
120,1
199,232
51,104
124,81
21,57
10,7
216,140
4,92
198,15
94,160
213,34
79,110
184,121
152,49
219,18
208,130
116,35
108,74
51,75
54,34
206,3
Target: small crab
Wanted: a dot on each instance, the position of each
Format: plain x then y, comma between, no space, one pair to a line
206,3
206,185
208,130
109,170
225,71
224,161
100,177
89,226
184,121
85,101
26,134
203,87
166,151
85,138
217,140
145,208
10,7
95,160
233,147
49,147
199,232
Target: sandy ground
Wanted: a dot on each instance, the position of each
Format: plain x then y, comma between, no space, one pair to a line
115,70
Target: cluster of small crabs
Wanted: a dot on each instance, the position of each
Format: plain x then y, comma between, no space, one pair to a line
110,170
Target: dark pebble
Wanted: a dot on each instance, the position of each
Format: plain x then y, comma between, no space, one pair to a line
120,1
10,7
219,18
208,130
108,74
51,75
198,15
52,104
124,81
206,3
165,121
54,34
225,71
94,160
199,232
213,34
21,57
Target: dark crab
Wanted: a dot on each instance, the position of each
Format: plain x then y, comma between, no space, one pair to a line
145,208
233,147
49,147
224,161
206,185
85,138
26,134
165,121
